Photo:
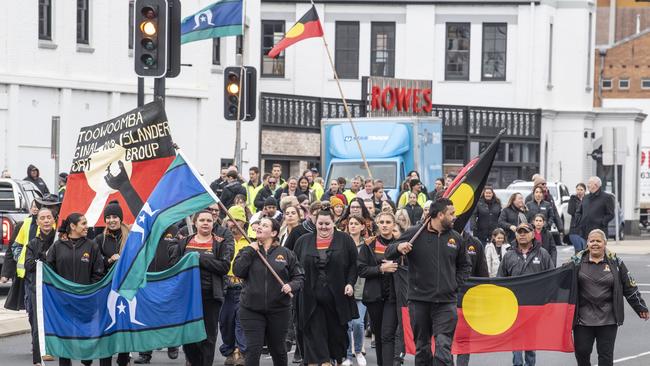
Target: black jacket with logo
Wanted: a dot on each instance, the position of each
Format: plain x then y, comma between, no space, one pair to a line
378,286
476,255
514,264
261,291
77,260
545,208
438,264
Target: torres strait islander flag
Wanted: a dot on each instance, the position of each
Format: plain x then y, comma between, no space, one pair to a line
121,159
307,27
465,190
130,309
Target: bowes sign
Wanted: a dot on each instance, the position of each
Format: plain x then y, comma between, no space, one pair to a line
388,97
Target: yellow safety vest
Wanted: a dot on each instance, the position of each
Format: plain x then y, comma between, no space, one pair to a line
251,192
318,190
349,195
23,239
239,244
404,199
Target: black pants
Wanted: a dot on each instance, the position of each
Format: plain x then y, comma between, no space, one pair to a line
324,337
257,326
122,360
433,319
383,321
202,353
67,362
30,307
605,337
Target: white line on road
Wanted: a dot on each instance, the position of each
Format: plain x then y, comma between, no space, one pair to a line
631,357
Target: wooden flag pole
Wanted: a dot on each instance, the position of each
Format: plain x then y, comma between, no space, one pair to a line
260,255
345,103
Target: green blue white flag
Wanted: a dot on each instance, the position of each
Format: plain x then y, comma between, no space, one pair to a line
221,19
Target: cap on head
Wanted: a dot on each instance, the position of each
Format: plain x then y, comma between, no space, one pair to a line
524,227
271,201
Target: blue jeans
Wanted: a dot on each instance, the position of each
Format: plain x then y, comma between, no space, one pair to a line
232,333
579,243
518,358
356,326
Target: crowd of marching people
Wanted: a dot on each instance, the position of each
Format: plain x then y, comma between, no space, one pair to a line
346,257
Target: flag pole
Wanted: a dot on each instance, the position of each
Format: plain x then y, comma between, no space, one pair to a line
241,231
345,103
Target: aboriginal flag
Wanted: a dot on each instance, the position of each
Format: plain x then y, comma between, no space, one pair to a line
466,189
307,27
532,312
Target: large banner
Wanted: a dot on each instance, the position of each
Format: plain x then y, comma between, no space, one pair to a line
121,159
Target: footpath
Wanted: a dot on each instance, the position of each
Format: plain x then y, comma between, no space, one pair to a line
15,322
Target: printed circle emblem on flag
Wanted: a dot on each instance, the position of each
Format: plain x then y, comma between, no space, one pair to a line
462,198
296,30
490,309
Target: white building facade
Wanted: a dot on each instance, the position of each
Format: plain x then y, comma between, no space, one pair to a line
510,55
75,60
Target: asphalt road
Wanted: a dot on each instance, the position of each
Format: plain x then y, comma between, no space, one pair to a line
632,346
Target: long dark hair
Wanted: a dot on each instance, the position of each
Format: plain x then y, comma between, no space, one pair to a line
364,210
494,196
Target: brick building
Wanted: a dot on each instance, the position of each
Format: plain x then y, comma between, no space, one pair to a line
630,16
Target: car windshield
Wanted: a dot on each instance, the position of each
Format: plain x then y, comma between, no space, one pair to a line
385,171
526,188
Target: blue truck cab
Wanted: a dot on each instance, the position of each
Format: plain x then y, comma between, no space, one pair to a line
393,146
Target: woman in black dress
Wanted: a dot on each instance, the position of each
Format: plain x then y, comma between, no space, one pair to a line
326,303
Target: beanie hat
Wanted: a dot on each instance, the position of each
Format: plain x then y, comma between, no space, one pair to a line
271,201
538,181
64,177
237,213
335,201
113,208
342,198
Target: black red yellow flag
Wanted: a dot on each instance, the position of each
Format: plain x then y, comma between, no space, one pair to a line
531,312
307,27
466,188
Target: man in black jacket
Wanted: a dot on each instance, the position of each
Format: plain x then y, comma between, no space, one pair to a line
233,188
525,258
438,266
596,210
270,185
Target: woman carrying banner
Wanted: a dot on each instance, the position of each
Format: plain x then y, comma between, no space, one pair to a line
76,258
603,282
111,241
265,308
325,304
379,290
215,255
36,249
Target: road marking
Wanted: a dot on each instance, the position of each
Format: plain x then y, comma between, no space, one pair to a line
631,357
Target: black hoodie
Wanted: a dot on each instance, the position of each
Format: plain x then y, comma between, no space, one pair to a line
305,228
38,181
36,249
77,260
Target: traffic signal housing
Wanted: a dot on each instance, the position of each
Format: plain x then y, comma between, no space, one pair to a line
240,82
151,37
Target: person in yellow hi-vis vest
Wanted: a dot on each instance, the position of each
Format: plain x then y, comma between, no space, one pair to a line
232,335
416,187
252,187
28,230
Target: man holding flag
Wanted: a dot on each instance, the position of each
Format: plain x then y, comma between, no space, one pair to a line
438,266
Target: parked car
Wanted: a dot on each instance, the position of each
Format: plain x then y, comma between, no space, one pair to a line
16,196
558,191
504,195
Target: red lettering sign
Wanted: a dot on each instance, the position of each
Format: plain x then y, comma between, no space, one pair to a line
405,99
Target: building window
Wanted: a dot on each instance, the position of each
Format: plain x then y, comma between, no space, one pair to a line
494,51
454,151
131,21
346,53
457,51
624,84
607,84
272,33
382,49
82,22
645,84
45,20
216,51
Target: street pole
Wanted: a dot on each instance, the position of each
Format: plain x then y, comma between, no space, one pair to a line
55,148
159,89
616,193
140,92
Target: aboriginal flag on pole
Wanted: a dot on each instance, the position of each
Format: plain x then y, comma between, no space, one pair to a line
307,27
532,312
466,188
121,159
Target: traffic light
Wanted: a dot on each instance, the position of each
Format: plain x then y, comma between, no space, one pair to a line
151,37
235,79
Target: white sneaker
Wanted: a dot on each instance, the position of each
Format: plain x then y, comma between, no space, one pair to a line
361,359
347,362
